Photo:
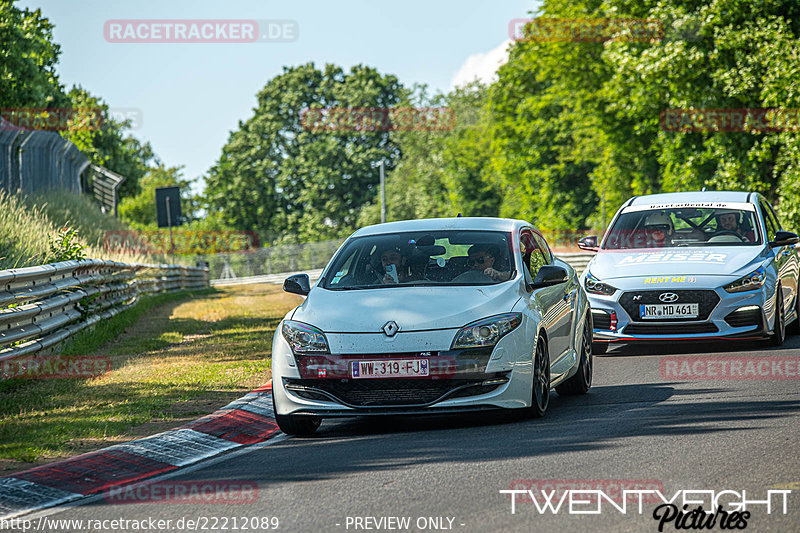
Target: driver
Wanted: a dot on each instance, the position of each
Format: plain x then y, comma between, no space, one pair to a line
729,221
658,228
482,258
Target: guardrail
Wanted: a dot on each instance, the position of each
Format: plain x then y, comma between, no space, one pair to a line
41,306
577,260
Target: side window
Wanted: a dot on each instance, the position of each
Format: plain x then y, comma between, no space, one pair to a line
770,223
548,255
533,258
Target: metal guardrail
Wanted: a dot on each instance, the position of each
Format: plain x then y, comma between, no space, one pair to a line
41,306
577,260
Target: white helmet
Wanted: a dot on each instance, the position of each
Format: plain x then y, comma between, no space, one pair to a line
659,219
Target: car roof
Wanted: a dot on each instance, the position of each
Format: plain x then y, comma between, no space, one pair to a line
691,196
452,223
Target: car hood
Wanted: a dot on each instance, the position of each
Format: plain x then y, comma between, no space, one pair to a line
717,260
412,308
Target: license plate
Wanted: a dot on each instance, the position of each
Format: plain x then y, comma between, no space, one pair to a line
669,310
395,368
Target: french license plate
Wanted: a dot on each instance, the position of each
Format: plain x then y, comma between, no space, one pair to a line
669,310
395,368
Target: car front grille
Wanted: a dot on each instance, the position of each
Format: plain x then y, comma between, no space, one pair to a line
669,329
391,392
707,301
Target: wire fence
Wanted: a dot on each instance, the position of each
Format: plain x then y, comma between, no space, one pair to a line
32,161
272,260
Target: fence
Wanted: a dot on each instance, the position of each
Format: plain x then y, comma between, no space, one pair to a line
272,260
33,161
42,306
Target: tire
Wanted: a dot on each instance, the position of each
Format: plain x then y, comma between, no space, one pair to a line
599,348
794,329
540,391
581,382
779,333
296,425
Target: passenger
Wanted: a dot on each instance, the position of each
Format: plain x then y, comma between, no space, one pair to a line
394,256
730,222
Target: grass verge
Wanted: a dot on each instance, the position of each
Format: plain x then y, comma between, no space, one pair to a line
174,358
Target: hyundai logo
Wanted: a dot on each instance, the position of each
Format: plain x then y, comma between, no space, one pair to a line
668,297
390,328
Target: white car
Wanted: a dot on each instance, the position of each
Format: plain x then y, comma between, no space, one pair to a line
432,316
691,266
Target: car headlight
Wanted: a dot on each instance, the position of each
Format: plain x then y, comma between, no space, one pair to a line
595,286
304,338
754,280
486,331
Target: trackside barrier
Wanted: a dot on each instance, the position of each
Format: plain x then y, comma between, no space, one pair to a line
43,305
577,260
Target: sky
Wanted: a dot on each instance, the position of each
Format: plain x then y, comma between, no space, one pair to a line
188,97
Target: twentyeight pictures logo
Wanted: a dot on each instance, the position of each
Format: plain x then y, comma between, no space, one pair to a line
200,31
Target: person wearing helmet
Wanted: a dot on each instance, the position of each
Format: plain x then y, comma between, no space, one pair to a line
658,228
729,221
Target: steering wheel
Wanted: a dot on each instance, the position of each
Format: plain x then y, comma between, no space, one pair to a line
728,232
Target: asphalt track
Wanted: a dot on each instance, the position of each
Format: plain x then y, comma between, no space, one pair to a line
633,425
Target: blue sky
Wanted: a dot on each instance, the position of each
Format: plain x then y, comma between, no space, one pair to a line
192,95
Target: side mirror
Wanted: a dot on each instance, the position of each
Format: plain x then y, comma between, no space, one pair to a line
784,238
297,284
548,276
589,243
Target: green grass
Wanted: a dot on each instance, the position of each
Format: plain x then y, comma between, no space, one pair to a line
174,358
28,223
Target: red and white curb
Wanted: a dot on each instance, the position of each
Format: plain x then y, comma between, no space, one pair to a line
248,420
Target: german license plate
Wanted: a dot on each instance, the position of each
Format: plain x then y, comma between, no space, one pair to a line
668,310
395,368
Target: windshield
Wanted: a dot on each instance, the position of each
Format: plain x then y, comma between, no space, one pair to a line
422,259
678,226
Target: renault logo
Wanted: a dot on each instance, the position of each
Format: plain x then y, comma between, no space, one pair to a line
390,328
668,297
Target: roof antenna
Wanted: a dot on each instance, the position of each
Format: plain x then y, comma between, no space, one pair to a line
459,215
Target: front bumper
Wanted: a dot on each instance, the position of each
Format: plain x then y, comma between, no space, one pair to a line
744,315
460,380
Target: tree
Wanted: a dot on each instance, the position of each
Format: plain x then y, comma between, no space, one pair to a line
140,210
28,58
278,177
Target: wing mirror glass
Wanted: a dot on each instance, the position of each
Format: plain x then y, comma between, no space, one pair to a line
589,243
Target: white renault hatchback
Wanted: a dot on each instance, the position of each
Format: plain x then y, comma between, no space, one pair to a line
428,317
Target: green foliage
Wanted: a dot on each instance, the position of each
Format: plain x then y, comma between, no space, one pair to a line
276,177
65,246
140,210
28,57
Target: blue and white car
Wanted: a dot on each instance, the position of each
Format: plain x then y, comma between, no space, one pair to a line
432,316
693,265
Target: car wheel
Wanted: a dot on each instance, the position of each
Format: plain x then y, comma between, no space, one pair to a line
779,333
540,392
582,380
795,329
294,424
599,348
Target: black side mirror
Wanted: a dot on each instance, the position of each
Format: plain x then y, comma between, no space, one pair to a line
784,238
589,243
297,284
548,276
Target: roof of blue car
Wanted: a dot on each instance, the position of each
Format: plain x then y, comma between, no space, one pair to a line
692,196
453,223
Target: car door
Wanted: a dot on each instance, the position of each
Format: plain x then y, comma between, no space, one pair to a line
785,257
553,301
